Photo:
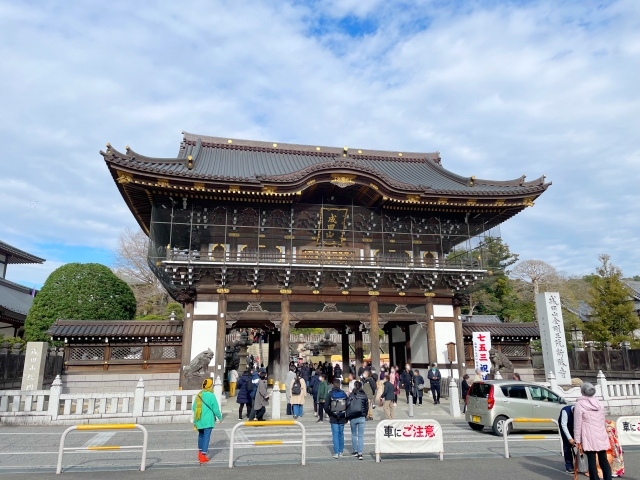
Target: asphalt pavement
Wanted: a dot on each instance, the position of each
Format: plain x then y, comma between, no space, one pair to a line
172,452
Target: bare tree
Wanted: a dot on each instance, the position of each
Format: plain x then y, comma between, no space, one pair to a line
535,273
130,264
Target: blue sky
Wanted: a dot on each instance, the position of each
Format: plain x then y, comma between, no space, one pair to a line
500,88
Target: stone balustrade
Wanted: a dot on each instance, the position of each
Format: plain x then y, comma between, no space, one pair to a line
52,407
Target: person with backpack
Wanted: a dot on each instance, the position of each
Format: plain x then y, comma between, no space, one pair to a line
298,392
320,395
205,413
335,406
368,386
244,389
357,409
388,396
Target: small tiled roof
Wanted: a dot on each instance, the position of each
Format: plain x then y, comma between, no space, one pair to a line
18,256
215,158
15,299
635,288
113,328
483,319
511,330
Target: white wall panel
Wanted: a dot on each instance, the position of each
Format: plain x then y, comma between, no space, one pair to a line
205,308
204,337
443,311
419,349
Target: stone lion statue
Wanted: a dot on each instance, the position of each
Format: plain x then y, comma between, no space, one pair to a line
499,361
199,365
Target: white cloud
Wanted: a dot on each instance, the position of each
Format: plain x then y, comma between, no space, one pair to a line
500,90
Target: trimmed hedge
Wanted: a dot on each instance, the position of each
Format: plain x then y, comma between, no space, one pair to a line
79,291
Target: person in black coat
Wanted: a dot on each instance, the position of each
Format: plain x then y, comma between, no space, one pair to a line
406,380
464,389
434,377
305,373
418,386
337,371
243,389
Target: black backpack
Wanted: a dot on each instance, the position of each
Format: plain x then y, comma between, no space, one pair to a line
296,389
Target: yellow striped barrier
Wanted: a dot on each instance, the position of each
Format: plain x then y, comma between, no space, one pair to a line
115,426
269,423
505,432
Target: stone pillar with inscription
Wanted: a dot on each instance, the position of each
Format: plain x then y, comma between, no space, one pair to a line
284,338
220,335
457,314
552,336
34,362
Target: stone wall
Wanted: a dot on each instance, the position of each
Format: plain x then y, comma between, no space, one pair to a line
107,383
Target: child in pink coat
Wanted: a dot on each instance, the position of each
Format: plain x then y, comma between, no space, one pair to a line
590,433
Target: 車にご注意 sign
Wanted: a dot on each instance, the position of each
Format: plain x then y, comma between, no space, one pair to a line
628,430
409,436
481,347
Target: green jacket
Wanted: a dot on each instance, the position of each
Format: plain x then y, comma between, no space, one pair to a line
210,411
323,389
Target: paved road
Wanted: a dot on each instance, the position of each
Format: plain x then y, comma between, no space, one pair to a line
34,449
529,468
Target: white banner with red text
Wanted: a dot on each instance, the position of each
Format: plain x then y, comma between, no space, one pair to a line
409,436
628,430
481,347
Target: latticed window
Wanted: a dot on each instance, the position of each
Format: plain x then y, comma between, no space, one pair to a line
158,352
514,350
87,353
126,353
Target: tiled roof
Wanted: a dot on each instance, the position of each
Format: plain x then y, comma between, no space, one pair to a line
113,328
522,330
18,256
483,319
635,288
15,300
215,158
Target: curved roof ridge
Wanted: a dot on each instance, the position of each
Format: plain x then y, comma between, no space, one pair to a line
308,149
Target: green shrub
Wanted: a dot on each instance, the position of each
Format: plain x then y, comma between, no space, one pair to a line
79,291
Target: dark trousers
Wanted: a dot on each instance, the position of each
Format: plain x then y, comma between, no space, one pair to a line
320,411
408,392
435,391
567,451
258,413
417,400
604,464
240,408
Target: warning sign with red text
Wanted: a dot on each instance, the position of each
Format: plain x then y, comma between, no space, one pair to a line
409,436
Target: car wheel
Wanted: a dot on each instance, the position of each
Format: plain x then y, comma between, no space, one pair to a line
498,425
475,426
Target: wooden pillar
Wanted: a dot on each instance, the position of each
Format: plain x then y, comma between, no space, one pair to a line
358,334
459,341
187,332
407,343
346,367
284,339
374,333
431,331
274,355
220,337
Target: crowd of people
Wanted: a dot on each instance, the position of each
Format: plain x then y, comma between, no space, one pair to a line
585,432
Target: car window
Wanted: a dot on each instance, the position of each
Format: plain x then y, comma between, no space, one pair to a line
541,394
514,391
479,390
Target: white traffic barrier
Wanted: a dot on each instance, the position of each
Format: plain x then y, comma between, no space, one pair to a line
115,426
269,423
505,432
628,430
409,436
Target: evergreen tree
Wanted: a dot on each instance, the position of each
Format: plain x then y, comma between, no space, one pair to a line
610,302
78,291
